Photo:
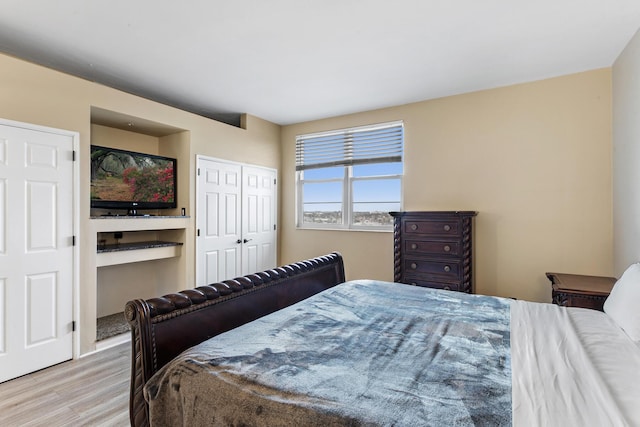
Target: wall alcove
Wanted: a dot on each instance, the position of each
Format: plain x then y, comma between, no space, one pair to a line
141,256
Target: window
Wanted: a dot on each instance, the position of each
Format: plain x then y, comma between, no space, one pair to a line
349,178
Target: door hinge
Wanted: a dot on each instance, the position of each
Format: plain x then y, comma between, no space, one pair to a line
274,181
73,155
73,240
198,171
274,227
73,326
198,232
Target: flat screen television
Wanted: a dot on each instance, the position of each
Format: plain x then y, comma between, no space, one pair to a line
122,179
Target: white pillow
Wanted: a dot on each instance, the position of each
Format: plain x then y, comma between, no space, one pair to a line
623,304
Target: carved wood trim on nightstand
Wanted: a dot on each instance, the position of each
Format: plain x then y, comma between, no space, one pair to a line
574,290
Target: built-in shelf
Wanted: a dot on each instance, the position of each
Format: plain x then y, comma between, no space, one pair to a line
126,253
111,325
136,216
138,223
135,257
132,246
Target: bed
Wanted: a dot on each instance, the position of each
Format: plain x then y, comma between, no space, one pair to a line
298,345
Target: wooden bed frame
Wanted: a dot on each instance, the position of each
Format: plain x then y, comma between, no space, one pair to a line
161,328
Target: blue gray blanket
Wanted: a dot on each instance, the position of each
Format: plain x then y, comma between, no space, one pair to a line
361,353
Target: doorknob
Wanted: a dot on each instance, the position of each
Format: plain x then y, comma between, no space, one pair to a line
238,241
246,240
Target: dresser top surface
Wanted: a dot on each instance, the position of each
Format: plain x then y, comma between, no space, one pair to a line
434,213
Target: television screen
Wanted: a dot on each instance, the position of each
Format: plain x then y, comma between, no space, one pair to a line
129,180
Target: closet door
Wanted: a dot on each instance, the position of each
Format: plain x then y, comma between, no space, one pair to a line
258,219
36,248
219,244
236,220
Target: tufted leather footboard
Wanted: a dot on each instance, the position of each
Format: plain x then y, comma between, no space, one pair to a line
161,328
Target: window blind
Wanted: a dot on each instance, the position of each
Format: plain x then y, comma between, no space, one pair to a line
380,143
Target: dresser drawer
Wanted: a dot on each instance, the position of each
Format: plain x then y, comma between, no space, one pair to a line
432,247
440,228
418,281
432,269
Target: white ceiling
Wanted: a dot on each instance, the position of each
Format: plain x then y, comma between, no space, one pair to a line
290,61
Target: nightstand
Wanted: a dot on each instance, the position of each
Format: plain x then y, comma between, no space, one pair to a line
575,290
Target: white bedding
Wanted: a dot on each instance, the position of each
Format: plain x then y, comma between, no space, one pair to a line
572,367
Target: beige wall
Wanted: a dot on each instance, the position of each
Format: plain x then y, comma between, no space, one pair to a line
34,94
116,138
626,156
533,159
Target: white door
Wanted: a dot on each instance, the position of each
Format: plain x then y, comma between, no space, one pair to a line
258,219
218,222
236,218
36,253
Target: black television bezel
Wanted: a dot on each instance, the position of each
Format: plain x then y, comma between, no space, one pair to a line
134,206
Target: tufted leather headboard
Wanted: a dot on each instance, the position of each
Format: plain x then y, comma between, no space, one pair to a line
162,328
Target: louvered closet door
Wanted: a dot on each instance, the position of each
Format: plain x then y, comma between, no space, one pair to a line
36,253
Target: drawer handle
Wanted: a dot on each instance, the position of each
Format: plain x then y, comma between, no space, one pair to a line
447,268
414,246
414,227
447,227
414,265
447,248
447,288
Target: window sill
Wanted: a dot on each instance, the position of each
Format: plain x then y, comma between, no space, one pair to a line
370,230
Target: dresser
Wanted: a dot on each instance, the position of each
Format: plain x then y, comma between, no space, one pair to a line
434,249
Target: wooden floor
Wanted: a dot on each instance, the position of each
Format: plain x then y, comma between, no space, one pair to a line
92,391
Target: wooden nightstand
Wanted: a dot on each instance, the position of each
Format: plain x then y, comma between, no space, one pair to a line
574,290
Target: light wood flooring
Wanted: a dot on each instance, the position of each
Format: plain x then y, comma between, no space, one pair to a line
91,391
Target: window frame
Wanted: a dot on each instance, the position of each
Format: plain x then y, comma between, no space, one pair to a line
348,179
